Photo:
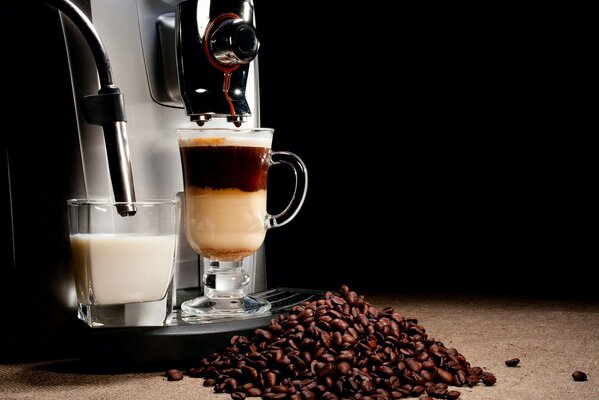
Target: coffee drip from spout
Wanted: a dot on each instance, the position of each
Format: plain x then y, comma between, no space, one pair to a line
215,43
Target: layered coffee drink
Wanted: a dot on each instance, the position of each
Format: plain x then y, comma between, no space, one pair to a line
225,194
224,175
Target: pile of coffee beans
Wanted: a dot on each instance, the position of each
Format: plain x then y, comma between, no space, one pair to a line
339,347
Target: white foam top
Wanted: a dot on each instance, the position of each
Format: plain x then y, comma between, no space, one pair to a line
231,138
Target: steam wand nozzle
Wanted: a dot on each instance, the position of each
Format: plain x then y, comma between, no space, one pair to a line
107,108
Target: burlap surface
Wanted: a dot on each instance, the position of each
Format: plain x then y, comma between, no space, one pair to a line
552,339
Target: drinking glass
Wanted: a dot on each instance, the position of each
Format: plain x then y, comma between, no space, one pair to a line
225,183
124,265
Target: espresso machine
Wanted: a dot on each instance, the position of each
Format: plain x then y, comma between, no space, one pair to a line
173,64
152,46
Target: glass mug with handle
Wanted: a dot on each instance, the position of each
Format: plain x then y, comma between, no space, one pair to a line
225,180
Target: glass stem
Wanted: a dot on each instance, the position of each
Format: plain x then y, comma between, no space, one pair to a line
225,279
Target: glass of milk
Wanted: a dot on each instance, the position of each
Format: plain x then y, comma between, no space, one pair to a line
124,265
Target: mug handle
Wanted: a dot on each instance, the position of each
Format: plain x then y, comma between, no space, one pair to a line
299,192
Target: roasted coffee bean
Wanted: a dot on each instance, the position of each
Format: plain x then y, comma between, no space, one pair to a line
307,313
472,380
438,393
414,365
279,389
323,369
343,368
385,371
579,376
512,362
367,386
417,390
230,385
274,396
337,300
308,395
395,394
238,395
329,396
363,319
352,297
174,375
270,379
327,357
407,352
435,350
453,394
429,364
320,389
327,382
325,338
219,388
250,373
263,334
339,325
346,355
352,331
488,379
460,378
445,376
337,339
196,372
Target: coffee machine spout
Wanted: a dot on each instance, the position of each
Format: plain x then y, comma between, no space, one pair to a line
215,42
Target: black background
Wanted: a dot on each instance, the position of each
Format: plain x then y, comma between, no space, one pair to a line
437,159
441,152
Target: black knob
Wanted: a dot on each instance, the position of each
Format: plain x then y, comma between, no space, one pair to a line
234,42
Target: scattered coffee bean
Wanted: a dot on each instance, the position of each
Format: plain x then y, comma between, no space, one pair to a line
579,376
339,347
513,362
174,375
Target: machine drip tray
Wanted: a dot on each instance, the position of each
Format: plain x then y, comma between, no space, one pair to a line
181,343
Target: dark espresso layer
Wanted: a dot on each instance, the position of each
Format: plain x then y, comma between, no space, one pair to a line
225,167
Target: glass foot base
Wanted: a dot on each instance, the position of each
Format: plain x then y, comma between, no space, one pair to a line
210,308
153,313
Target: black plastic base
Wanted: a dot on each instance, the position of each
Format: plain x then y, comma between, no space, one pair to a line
180,343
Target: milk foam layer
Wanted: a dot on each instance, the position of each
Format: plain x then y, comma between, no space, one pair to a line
244,141
122,268
225,224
